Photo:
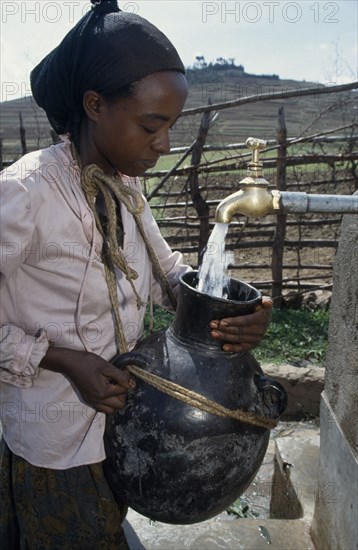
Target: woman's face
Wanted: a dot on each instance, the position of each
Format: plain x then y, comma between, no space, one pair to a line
131,133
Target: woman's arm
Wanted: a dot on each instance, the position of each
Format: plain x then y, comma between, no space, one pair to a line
101,385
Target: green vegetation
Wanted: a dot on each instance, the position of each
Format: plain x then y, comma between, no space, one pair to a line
294,335
161,319
241,509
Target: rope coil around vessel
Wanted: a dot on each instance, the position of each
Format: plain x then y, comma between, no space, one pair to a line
199,401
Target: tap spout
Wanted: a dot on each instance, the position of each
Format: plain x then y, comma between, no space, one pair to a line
251,200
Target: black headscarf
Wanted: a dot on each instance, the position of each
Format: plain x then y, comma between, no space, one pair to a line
107,50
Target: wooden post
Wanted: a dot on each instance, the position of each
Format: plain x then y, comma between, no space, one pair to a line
199,202
280,231
22,135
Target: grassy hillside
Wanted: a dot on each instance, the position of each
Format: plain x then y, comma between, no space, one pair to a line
232,125
260,119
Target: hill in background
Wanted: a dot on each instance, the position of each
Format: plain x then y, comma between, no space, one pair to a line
215,84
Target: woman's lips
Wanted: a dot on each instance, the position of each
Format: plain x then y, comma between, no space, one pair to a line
149,163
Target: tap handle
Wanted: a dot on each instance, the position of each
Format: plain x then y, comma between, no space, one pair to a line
255,145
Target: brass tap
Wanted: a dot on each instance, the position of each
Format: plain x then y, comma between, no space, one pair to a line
256,200
253,199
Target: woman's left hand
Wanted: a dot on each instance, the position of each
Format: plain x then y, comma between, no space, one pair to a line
244,332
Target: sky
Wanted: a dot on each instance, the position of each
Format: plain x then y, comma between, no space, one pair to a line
307,40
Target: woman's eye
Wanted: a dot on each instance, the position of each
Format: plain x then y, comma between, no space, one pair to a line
149,130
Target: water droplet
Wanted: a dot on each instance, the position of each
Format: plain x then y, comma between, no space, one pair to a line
265,534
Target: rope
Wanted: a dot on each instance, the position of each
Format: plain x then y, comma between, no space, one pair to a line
199,401
93,181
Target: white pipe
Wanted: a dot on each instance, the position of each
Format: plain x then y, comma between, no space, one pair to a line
302,203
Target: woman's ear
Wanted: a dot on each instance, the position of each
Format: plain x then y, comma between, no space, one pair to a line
92,102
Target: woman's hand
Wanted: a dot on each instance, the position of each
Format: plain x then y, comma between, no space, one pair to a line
101,385
244,332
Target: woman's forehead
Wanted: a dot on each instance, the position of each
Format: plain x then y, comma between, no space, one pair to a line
160,87
159,97
162,82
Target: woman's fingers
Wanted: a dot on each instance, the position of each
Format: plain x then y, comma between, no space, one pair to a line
243,332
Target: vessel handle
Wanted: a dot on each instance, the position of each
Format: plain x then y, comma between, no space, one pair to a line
273,394
123,360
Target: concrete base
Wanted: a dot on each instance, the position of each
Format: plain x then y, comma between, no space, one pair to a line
294,485
335,523
242,534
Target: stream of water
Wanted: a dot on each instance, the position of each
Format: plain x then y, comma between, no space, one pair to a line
213,278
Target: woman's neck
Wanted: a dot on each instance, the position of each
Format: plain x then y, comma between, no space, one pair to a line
89,153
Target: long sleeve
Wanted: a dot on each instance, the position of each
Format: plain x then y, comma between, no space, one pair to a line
16,222
20,355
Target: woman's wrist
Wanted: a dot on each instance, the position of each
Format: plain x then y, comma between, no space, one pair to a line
62,360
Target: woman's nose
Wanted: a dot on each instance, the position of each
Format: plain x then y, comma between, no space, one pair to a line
162,144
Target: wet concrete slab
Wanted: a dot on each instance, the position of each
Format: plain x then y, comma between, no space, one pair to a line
242,534
295,481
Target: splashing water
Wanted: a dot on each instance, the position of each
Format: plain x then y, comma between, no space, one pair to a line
213,279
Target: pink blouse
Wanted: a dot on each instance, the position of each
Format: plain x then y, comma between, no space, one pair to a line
53,289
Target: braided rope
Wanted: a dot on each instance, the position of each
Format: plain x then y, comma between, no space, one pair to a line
199,401
93,181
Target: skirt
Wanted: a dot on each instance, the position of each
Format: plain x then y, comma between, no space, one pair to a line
44,509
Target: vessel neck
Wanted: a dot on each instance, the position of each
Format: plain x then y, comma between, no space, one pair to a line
195,309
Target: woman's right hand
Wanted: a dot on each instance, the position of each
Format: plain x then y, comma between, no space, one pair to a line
101,385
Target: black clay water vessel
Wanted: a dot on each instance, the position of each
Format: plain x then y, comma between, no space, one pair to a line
169,460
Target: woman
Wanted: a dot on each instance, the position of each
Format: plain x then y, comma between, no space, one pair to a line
81,255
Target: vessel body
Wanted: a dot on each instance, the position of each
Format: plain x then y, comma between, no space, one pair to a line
168,459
